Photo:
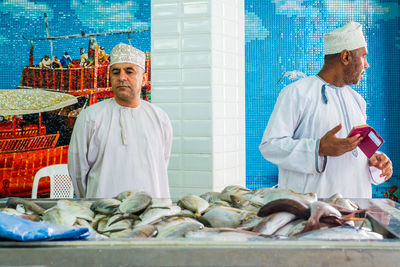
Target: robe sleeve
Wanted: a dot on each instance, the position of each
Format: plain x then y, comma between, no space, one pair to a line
167,132
278,144
78,165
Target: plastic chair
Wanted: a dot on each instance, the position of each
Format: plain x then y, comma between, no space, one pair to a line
60,181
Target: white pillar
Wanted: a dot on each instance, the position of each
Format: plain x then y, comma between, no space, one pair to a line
197,77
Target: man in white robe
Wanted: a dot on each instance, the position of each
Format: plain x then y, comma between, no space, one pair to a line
306,135
123,143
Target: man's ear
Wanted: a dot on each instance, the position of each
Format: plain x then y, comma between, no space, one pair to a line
145,78
345,57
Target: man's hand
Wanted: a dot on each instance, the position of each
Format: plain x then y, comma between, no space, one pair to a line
383,163
330,145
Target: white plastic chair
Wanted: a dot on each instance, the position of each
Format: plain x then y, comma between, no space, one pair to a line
60,181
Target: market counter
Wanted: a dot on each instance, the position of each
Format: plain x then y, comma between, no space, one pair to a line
184,252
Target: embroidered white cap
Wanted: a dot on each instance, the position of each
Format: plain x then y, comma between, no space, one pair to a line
123,53
348,37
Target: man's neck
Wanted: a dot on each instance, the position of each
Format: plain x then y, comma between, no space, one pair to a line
331,76
133,104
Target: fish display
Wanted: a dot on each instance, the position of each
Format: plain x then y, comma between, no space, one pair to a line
236,212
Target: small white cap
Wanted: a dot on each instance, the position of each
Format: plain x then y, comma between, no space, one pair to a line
348,37
123,53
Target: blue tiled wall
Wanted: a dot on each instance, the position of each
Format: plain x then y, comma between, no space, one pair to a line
20,18
285,35
281,36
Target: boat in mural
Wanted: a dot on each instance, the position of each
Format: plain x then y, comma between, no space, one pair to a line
29,140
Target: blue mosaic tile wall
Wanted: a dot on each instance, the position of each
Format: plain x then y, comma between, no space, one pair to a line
20,18
283,35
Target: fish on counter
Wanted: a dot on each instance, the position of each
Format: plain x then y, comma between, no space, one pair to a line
236,212
341,233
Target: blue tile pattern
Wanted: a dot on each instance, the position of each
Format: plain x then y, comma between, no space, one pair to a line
286,35
20,18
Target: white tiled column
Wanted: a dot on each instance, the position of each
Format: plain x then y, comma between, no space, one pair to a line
197,77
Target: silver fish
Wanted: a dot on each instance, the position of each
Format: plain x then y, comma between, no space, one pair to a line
337,199
56,215
14,212
249,223
105,206
153,215
13,202
161,203
114,224
270,224
211,197
238,201
101,224
193,203
76,209
264,195
143,231
177,227
135,203
233,190
292,228
97,218
220,203
121,196
220,216
341,233
82,223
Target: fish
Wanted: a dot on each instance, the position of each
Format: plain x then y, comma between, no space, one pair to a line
101,224
341,233
82,223
119,234
220,216
338,200
161,203
153,215
264,195
270,224
292,228
56,215
249,222
135,203
125,194
177,227
233,190
241,203
319,210
105,206
13,202
293,206
193,203
97,219
76,209
220,203
14,212
211,197
115,224
143,231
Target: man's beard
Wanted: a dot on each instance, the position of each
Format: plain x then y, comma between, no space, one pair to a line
352,75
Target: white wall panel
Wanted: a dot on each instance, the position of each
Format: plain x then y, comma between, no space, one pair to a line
198,79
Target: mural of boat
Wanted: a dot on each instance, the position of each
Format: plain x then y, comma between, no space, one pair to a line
27,142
